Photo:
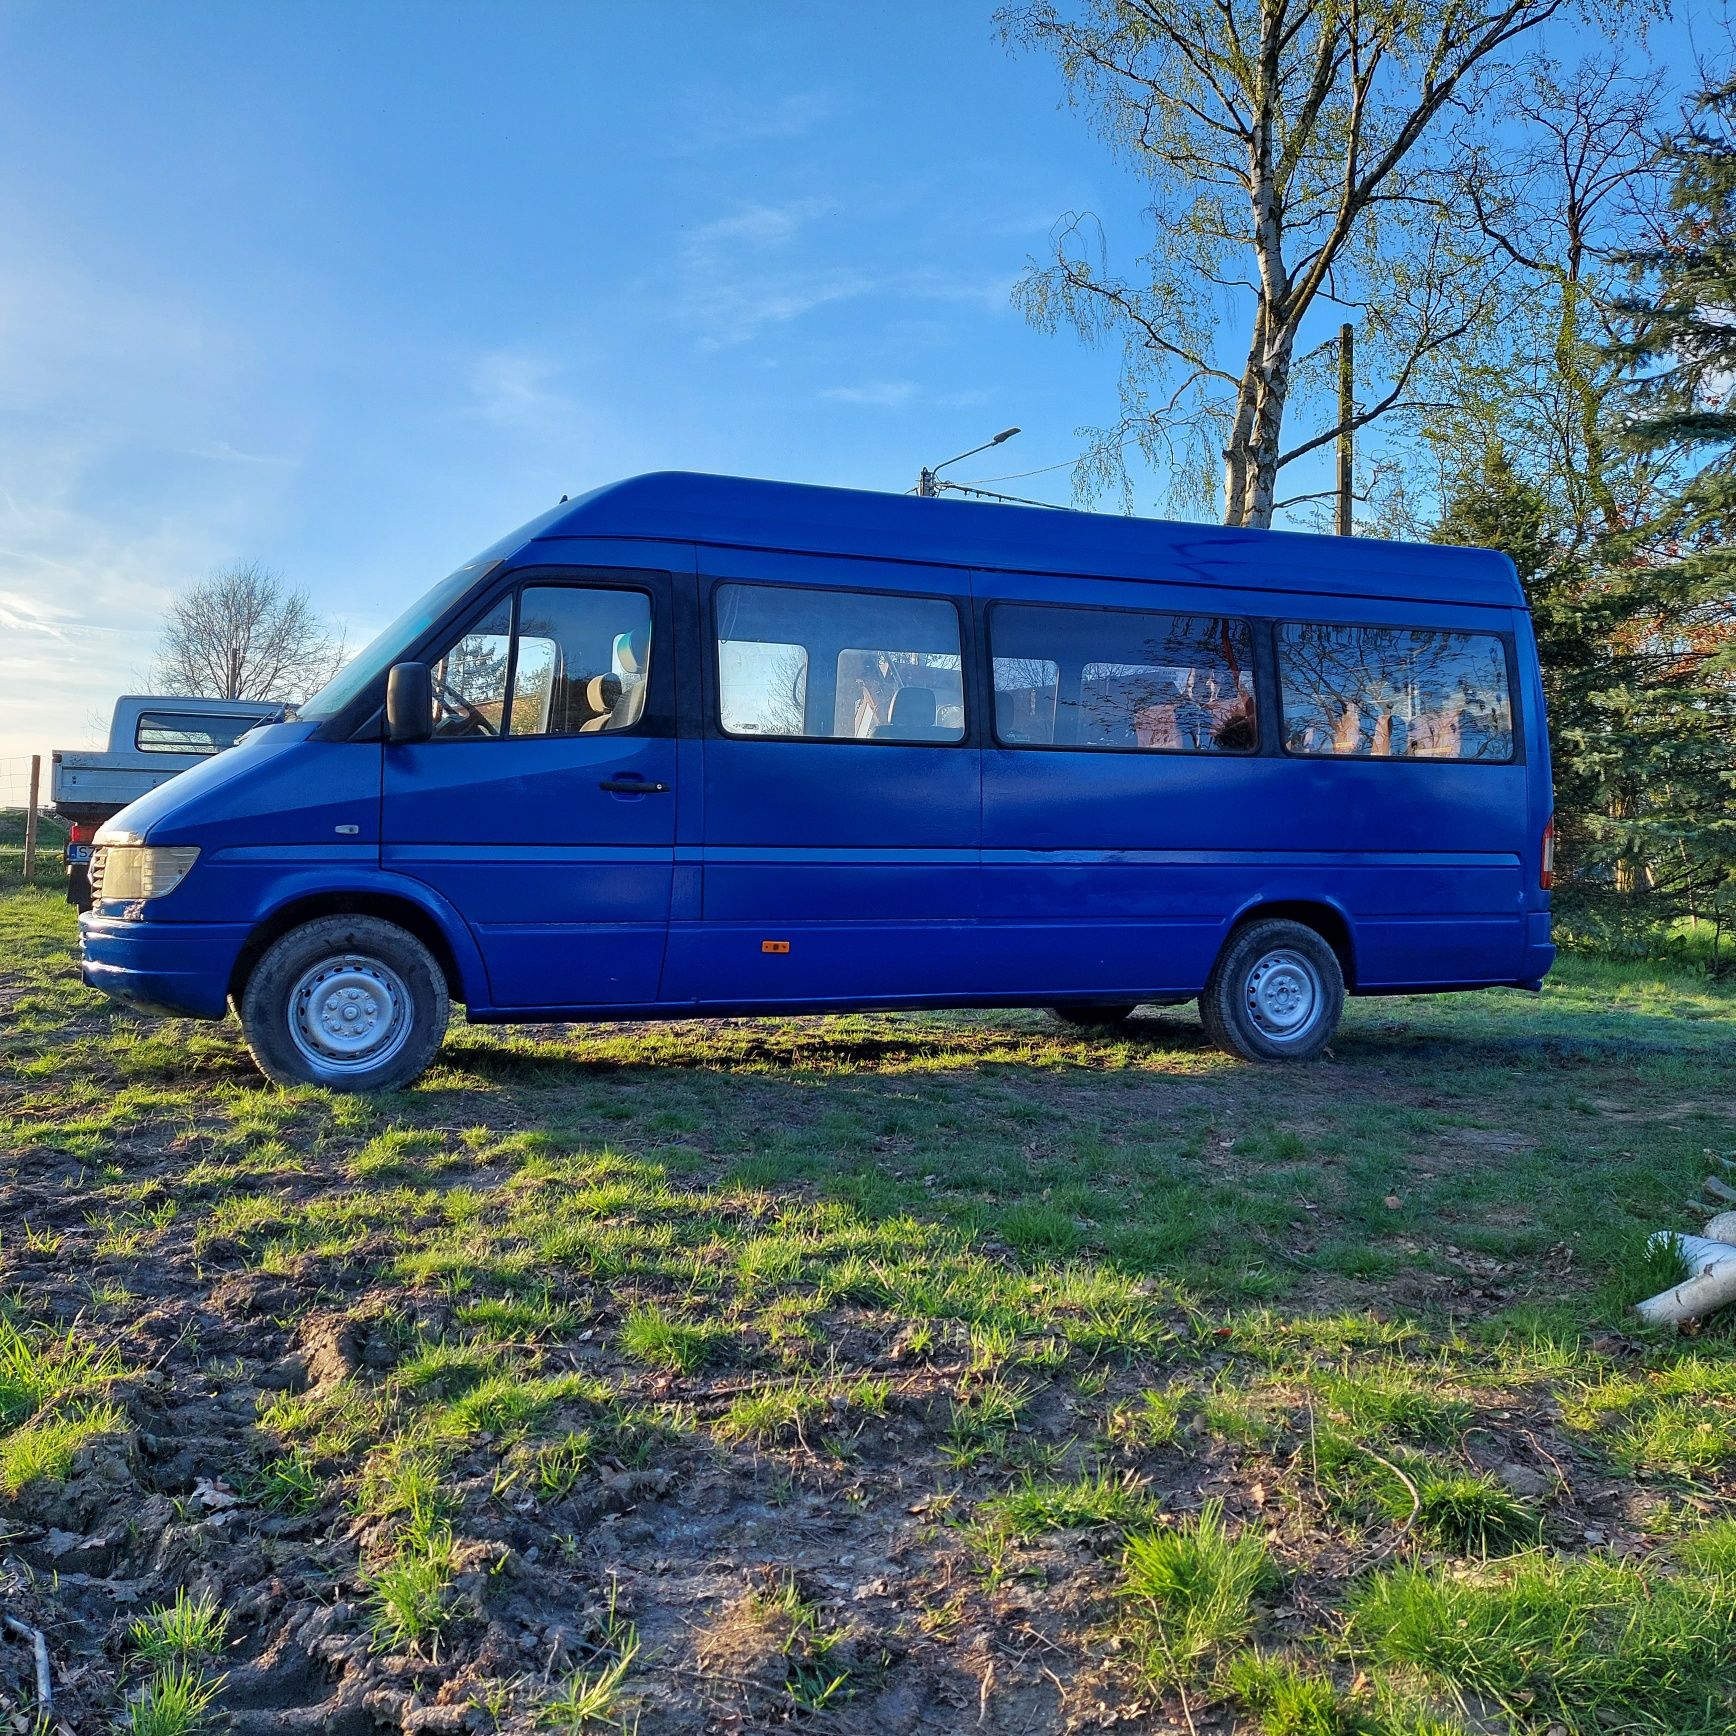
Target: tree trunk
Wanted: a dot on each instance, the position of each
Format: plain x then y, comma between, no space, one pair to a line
1260,420
1236,448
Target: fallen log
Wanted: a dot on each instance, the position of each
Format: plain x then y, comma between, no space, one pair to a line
1711,1283
1722,1228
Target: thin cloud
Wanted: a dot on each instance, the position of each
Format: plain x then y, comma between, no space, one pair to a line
881,395
516,387
714,123
902,395
748,270
224,453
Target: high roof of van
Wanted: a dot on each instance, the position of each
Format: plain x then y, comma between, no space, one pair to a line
743,512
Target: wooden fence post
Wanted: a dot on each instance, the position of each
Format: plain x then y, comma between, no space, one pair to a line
30,818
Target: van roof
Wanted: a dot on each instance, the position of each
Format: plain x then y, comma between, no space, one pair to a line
744,512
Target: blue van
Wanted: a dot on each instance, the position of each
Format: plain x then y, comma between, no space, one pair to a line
701,745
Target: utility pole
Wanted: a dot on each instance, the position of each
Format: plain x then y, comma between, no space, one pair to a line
30,818
926,486
1346,438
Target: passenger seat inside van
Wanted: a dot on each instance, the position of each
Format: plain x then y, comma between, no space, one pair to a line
602,695
912,718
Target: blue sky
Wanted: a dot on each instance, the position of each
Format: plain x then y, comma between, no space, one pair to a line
351,289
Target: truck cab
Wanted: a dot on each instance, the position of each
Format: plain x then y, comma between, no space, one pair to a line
152,737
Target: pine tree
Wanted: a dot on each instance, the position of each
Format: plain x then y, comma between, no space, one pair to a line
1671,721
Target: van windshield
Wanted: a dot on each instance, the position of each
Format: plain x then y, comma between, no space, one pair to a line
387,647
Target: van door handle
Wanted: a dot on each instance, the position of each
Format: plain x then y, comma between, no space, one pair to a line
632,787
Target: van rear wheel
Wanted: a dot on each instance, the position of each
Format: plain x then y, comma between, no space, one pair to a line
1276,993
1099,1015
353,1003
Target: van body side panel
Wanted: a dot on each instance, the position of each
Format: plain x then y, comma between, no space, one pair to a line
860,855
1118,873
565,883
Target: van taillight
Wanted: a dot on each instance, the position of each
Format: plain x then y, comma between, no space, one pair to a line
81,834
1546,879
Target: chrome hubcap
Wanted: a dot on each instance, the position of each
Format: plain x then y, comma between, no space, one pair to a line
349,1013
1283,995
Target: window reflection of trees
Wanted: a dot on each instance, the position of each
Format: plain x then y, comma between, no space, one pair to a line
1181,683
1395,692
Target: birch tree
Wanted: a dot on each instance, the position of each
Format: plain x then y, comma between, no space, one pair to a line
1305,158
1582,182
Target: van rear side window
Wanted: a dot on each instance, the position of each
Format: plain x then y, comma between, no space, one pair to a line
1123,680
188,732
838,665
1394,692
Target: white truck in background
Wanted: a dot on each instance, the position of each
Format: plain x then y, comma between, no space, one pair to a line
151,738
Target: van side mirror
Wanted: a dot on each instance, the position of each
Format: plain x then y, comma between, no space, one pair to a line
409,703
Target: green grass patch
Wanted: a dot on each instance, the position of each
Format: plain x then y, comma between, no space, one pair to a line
660,1339
1567,1639
1036,1507
1190,1593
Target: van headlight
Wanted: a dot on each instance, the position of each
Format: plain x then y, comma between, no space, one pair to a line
128,873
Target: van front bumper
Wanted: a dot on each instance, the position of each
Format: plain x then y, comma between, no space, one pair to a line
180,968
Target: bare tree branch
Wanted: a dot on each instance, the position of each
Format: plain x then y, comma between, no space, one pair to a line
243,633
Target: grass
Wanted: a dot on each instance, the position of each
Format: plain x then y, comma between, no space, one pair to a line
1285,1699
1473,1515
1190,1592
189,1628
1566,1640
1303,1401
660,1339
1103,1499
44,1449
174,1702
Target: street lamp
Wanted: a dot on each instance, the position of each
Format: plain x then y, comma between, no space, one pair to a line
926,484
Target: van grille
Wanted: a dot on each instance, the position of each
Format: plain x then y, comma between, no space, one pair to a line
97,861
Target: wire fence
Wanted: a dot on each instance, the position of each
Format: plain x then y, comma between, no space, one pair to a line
51,830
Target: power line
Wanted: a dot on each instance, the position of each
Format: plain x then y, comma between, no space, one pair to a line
1065,464
1009,499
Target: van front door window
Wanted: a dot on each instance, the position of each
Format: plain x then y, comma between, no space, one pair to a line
578,666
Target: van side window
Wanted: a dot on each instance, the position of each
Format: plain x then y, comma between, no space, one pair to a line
580,666
838,665
1122,679
583,656
1394,692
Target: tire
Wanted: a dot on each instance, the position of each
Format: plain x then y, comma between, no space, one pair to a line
353,1003
1276,993
1096,1014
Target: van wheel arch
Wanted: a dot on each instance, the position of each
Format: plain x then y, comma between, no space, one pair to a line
1326,920
409,916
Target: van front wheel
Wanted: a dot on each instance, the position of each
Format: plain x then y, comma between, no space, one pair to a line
1275,994
353,1003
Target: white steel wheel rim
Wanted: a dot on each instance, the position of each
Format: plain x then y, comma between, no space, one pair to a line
1283,996
349,1014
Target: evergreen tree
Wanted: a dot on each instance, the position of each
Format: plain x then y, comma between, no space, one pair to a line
1672,720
